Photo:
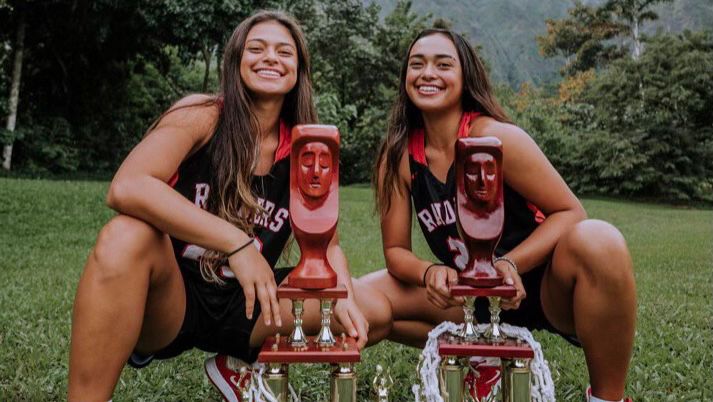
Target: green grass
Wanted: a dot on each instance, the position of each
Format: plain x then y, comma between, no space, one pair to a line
48,227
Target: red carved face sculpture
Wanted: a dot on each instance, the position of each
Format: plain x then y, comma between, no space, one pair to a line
315,169
480,176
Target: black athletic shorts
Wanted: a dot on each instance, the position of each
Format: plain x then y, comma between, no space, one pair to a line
214,321
530,314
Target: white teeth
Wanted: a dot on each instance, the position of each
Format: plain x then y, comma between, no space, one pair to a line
428,89
268,73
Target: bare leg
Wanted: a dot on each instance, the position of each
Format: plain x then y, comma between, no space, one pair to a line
413,314
374,305
130,297
589,291
411,333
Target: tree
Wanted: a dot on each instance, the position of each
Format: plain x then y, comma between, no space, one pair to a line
196,27
357,62
77,63
670,124
634,13
583,38
13,99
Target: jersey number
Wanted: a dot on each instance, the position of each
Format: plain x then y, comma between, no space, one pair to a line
460,253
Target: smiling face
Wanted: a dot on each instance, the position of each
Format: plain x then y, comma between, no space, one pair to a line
480,176
434,77
315,169
269,62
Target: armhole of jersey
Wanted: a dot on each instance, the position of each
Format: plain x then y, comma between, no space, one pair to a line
538,215
284,143
173,180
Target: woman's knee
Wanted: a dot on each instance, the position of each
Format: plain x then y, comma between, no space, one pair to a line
382,315
121,247
600,250
376,307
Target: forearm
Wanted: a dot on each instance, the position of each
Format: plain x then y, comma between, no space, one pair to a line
538,247
153,201
405,266
338,261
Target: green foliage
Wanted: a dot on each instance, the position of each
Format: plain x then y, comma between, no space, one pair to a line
50,147
357,99
582,37
662,103
637,128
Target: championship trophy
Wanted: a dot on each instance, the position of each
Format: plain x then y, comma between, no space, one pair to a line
480,215
314,212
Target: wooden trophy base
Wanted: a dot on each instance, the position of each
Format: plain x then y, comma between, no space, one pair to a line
507,349
312,282
343,351
505,291
480,282
286,291
280,350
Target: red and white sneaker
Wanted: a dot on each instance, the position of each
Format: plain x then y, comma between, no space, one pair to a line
589,395
230,375
480,380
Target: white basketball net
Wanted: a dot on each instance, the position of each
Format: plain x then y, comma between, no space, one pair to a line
542,387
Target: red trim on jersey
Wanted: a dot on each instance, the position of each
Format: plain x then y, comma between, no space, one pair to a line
539,215
417,143
173,180
416,146
284,143
464,127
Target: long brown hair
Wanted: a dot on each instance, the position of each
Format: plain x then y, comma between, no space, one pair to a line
405,116
234,147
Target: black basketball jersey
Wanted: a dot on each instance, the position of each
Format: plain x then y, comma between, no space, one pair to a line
272,228
435,206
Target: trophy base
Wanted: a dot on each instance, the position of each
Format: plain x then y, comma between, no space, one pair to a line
343,351
287,291
312,283
505,291
507,349
480,282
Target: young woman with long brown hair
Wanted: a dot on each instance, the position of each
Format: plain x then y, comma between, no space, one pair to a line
203,217
574,276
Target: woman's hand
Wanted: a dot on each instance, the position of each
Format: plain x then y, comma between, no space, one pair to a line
351,318
511,277
438,280
257,279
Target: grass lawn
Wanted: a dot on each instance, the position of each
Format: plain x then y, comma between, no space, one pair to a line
48,227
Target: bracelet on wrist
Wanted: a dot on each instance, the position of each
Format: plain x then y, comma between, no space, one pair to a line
423,280
507,260
239,249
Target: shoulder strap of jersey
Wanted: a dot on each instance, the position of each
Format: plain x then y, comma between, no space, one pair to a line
284,143
416,146
465,120
416,140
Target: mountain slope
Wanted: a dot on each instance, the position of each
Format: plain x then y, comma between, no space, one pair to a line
506,29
